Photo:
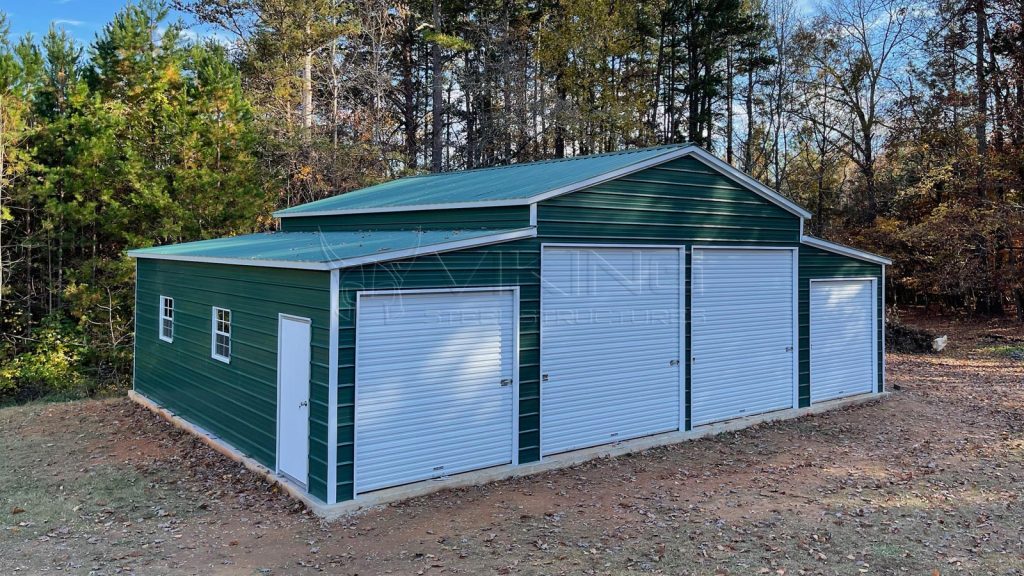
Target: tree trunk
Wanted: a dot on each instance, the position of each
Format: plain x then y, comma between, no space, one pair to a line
437,104
307,93
409,97
981,85
729,85
748,149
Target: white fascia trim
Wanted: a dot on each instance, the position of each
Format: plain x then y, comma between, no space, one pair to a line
348,263
235,261
845,250
332,391
747,181
409,208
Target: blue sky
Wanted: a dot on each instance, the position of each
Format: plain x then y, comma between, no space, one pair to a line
81,18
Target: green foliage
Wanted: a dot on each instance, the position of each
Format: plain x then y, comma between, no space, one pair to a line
52,365
148,141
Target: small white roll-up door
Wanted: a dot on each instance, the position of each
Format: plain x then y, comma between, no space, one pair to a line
610,344
434,384
742,333
842,338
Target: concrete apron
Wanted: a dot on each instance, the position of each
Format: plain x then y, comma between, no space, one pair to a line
477,477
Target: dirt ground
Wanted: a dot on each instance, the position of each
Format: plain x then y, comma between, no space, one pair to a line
927,481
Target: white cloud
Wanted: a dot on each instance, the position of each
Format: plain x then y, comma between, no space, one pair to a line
67,22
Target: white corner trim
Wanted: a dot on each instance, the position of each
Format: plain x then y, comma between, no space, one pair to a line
436,248
332,391
844,250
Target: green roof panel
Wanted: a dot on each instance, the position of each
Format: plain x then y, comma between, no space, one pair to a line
516,182
325,250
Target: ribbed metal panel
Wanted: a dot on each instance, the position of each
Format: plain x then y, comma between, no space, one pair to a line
236,401
313,247
842,338
817,264
516,181
508,218
611,344
742,333
430,398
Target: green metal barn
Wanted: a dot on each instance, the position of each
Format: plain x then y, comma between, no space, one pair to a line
472,325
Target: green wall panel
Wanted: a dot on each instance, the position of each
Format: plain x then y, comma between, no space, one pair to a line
236,401
681,202
466,218
511,264
816,264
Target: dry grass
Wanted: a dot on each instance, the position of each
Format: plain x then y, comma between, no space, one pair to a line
928,481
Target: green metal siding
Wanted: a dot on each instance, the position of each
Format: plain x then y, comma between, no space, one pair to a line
679,202
816,264
465,219
511,264
236,401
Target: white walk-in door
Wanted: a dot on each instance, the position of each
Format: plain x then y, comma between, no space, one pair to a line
435,378
842,338
742,330
611,342
293,340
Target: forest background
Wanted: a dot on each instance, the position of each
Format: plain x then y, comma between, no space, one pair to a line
899,124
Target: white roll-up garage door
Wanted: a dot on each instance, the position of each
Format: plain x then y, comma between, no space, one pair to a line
843,348
742,331
610,344
434,384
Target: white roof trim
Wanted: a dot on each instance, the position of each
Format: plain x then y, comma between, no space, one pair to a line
350,262
708,158
234,261
411,208
844,250
747,181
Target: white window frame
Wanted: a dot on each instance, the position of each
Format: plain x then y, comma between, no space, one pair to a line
214,332
164,301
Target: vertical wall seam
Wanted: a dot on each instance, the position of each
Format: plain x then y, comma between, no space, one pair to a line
332,393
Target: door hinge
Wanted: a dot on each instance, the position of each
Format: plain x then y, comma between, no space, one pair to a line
303,404
506,381
789,348
543,377
673,362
